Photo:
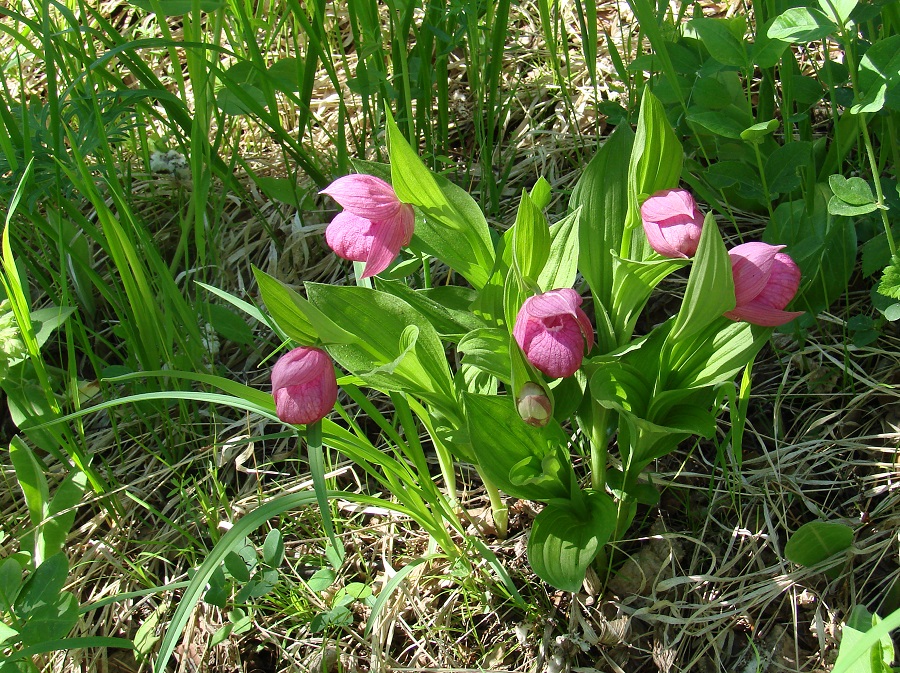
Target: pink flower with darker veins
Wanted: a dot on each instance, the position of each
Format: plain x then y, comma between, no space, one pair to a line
765,281
672,222
304,385
374,224
554,332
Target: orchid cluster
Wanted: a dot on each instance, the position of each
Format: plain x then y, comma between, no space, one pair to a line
530,366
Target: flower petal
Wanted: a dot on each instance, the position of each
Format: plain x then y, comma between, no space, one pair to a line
760,314
659,242
587,329
783,283
298,366
306,403
350,236
387,239
365,196
564,301
668,204
557,353
304,385
751,264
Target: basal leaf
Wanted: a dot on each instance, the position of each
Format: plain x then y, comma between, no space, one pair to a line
531,239
44,586
566,537
818,541
285,307
632,285
61,513
655,164
561,268
381,324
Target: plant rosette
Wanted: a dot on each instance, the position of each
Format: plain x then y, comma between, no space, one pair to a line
528,375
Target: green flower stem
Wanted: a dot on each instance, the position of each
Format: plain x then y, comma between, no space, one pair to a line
879,192
445,461
358,268
499,510
316,459
599,445
867,141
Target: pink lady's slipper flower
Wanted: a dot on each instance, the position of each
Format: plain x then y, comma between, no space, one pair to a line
553,332
374,224
672,223
765,281
304,385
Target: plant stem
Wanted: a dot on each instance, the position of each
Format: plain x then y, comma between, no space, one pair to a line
867,141
499,510
599,442
316,458
879,192
358,268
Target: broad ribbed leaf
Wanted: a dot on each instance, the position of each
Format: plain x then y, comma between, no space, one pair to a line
503,442
453,228
566,537
710,288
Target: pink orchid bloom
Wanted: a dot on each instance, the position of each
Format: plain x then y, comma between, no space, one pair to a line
553,332
672,223
765,281
304,385
374,224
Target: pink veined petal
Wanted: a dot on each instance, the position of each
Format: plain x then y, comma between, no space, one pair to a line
557,353
564,301
298,366
406,220
751,265
520,329
684,238
783,283
758,313
667,204
365,196
350,236
659,242
387,239
587,329
306,403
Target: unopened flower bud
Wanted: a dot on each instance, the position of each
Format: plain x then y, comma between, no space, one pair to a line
534,406
304,385
672,223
